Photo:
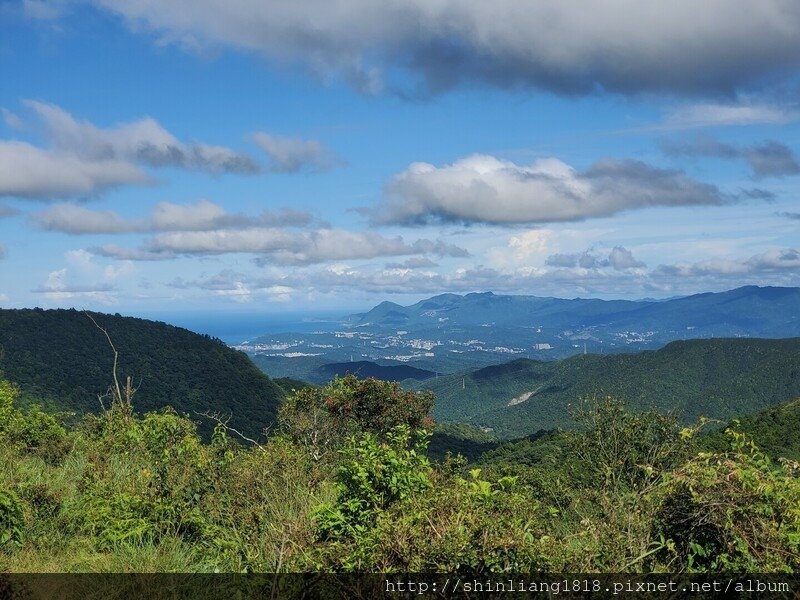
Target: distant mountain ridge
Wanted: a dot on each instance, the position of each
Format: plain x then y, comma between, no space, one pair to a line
452,333
719,378
60,358
749,310
366,368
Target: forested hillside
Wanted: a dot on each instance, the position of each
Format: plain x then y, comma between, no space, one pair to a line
61,359
717,378
776,430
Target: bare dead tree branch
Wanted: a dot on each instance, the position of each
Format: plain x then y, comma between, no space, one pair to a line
117,391
224,422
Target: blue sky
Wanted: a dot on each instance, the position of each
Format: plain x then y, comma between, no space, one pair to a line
245,156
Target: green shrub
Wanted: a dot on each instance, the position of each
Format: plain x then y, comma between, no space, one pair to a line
33,431
11,521
373,475
321,419
734,511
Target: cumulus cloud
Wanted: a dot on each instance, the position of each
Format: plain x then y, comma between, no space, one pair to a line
236,287
485,189
203,215
626,47
144,140
290,155
768,159
57,288
619,259
27,171
81,159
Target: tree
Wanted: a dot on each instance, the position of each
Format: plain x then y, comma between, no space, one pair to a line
321,418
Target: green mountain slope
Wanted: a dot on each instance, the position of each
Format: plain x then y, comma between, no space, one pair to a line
719,378
60,358
775,430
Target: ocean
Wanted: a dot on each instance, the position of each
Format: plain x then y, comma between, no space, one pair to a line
234,328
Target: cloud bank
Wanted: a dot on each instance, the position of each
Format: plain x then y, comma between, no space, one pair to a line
557,45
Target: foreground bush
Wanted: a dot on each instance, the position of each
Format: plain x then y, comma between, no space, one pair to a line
345,484
734,511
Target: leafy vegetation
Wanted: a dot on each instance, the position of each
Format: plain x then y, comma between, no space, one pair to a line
343,483
775,430
61,360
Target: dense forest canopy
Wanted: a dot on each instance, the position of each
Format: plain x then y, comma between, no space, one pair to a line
61,359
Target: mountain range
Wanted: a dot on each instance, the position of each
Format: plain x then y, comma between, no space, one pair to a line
751,310
451,333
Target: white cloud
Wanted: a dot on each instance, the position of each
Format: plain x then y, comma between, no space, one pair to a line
415,262
779,260
202,215
27,171
286,247
82,159
57,289
143,141
238,287
11,120
271,244
619,259
486,189
74,219
622,259
290,155
713,114
626,47
590,273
